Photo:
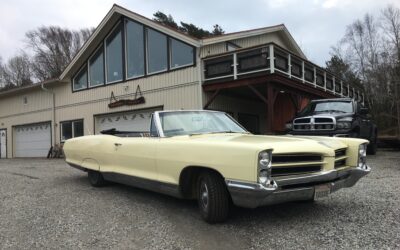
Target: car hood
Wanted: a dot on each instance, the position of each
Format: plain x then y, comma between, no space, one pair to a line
279,144
337,115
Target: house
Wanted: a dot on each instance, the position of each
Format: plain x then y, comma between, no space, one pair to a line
132,66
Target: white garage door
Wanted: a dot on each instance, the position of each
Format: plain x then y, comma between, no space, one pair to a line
127,121
32,140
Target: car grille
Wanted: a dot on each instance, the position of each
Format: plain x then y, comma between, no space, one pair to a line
340,157
314,123
293,164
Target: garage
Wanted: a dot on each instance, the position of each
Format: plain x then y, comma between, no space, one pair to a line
125,121
32,140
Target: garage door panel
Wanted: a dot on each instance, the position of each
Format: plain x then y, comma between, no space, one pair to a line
32,140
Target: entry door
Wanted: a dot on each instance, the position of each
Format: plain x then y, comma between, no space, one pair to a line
3,143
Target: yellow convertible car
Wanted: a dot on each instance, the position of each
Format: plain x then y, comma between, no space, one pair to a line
208,156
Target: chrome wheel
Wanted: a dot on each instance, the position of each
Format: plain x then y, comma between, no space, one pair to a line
212,197
204,195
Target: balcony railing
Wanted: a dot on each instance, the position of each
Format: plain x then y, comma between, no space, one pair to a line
272,59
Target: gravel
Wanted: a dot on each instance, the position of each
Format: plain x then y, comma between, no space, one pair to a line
47,204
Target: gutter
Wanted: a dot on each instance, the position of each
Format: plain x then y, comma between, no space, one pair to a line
53,119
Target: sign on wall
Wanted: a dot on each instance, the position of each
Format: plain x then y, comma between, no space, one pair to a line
139,99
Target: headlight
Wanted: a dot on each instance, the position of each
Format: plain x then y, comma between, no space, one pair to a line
362,156
343,125
264,167
289,125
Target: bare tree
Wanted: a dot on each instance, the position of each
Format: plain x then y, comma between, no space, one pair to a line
53,48
371,47
17,72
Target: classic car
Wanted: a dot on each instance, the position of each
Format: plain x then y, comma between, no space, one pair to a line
208,156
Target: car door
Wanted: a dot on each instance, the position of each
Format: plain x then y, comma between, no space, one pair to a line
135,156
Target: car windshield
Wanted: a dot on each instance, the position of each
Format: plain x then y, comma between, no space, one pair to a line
327,107
198,122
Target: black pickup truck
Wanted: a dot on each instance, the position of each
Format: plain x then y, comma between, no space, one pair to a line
335,117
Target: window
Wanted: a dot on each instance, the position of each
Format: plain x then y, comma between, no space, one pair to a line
134,49
96,69
25,100
181,54
71,129
114,56
153,128
156,52
80,80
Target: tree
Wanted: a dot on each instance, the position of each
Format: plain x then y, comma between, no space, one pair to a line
340,68
193,30
53,48
371,49
187,28
217,30
17,72
165,19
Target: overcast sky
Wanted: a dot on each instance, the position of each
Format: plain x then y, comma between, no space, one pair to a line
316,25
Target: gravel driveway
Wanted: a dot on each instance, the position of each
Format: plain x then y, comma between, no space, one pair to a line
46,204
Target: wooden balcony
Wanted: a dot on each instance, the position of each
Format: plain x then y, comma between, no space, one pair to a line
271,59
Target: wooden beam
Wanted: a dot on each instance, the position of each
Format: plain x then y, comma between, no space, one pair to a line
234,84
214,95
258,94
280,81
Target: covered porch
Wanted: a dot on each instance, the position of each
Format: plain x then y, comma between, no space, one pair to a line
263,87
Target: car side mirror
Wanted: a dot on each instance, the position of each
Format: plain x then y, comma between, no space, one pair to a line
364,111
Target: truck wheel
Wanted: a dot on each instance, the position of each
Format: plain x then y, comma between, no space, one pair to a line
96,179
212,197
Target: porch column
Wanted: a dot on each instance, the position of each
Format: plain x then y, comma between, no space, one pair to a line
270,107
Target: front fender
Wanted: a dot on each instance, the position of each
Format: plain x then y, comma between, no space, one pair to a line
90,164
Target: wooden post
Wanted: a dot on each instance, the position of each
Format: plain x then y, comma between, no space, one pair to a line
270,107
272,58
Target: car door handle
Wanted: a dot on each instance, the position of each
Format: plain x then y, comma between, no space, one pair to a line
117,144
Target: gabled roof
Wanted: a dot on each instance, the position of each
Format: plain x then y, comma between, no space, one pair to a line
281,28
117,11
107,24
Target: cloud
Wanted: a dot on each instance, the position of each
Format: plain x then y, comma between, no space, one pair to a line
315,24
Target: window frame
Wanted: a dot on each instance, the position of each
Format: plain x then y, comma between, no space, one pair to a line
122,21
72,128
104,42
170,54
147,52
126,49
87,77
104,66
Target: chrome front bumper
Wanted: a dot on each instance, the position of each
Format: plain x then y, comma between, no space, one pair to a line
294,188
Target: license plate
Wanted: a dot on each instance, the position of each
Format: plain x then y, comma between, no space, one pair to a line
322,191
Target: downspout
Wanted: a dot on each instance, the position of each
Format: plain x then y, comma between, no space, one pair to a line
53,119
200,75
